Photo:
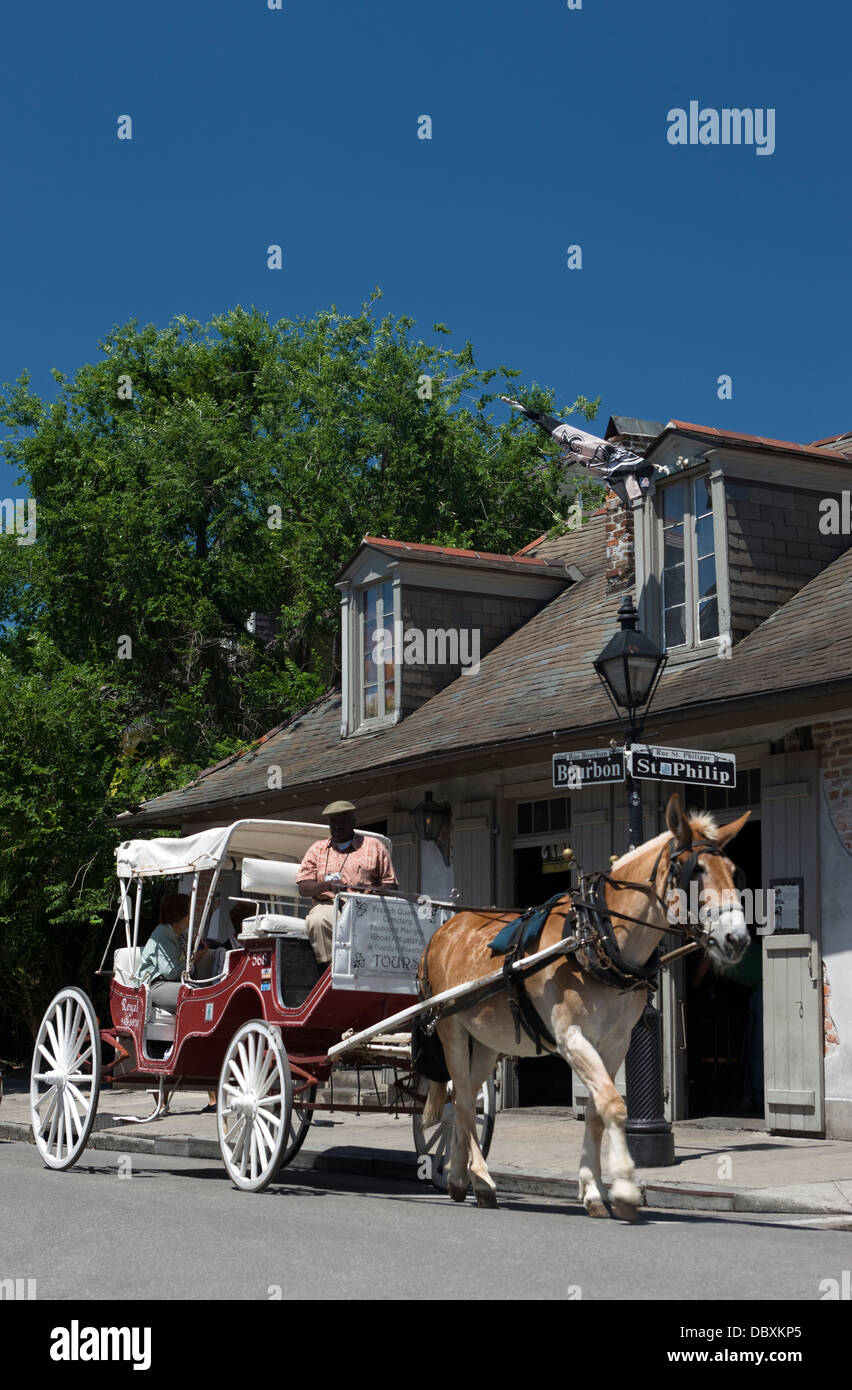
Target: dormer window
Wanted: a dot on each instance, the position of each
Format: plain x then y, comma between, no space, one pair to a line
690,606
415,617
378,686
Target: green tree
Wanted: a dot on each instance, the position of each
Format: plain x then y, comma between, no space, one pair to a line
190,477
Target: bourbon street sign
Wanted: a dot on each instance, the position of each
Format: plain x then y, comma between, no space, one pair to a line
572,770
655,764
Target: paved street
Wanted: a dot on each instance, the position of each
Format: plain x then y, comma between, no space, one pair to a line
177,1229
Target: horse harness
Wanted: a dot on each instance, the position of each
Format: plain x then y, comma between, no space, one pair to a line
589,937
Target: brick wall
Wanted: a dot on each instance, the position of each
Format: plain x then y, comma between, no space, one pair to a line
620,552
834,742
775,547
495,617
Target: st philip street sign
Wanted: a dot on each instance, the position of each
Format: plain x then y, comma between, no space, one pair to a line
573,770
647,761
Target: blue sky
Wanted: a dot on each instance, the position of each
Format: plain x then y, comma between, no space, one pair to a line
254,126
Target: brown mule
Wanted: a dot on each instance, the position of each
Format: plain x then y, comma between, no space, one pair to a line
590,1020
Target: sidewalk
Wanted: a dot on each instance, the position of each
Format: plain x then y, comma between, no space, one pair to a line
533,1152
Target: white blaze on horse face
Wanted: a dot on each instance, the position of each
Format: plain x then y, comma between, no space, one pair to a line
719,914
724,921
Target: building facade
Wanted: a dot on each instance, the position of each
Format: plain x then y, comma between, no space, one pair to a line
463,673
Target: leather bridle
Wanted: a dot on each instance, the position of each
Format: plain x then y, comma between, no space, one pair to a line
679,875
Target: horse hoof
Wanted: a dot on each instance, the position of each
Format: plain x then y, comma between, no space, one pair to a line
625,1211
457,1190
596,1207
486,1198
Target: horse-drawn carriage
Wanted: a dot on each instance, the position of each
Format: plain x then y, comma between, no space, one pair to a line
259,1030
272,1027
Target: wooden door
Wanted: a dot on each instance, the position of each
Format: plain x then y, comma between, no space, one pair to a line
792,967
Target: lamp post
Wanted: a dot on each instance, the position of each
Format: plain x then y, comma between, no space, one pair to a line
629,668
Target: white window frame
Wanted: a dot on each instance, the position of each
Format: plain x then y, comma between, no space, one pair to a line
384,717
353,599
649,566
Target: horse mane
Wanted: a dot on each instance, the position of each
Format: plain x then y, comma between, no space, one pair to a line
704,826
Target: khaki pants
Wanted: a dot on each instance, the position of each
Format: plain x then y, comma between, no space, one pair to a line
319,924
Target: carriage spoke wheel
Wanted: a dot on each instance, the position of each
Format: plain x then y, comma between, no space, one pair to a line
435,1143
300,1123
255,1104
65,1080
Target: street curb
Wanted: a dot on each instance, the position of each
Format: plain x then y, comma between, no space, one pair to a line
666,1196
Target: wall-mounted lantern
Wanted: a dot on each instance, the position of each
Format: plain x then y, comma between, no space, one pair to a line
431,821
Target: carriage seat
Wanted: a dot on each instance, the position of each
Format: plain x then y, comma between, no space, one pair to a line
272,882
160,1023
272,924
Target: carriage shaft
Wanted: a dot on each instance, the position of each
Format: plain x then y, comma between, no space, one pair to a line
488,984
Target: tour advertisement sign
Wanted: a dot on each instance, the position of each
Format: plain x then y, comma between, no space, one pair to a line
378,942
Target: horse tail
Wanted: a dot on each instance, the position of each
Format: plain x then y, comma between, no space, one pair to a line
435,1100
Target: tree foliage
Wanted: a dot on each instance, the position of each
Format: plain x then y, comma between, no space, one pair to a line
188,478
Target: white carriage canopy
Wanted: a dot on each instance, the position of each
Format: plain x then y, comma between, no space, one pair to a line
207,849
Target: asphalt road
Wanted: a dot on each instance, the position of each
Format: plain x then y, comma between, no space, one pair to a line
175,1228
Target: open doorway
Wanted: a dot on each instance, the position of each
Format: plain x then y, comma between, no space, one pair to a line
543,1080
724,1014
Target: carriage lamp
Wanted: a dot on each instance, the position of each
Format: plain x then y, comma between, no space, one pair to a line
430,820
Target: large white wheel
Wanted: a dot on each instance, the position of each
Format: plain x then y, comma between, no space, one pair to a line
300,1123
65,1080
435,1144
255,1105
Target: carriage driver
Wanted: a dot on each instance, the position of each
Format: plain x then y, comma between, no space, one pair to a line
344,860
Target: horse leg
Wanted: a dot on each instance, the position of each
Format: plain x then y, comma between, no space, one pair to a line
481,1066
455,1041
578,1051
590,1162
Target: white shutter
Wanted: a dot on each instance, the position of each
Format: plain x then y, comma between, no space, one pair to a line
792,968
473,856
405,851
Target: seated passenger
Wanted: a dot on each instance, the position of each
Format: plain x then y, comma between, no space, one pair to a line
343,861
163,958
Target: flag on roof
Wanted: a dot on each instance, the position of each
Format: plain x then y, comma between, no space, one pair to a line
626,472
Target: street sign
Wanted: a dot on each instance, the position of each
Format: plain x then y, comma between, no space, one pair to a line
573,770
647,761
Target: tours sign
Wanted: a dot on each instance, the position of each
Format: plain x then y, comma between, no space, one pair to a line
648,761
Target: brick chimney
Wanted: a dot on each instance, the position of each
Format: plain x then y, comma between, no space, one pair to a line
620,557
637,435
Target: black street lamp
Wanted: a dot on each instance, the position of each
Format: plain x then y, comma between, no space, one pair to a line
629,668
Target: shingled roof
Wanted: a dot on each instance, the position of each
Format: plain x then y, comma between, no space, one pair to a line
449,555
537,682
750,441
